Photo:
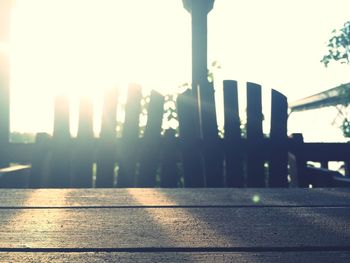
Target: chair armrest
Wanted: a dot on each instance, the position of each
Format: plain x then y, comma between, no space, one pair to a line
341,181
16,176
321,177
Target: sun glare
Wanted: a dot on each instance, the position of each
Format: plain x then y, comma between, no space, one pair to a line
82,48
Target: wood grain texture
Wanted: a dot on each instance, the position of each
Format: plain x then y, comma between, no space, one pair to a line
285,257
173,197
266,227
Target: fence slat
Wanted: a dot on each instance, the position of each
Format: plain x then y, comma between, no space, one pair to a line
169,171
213,154
60,176
189,140
83,153
232,136
255,162
150,150
129,144
278,164
106,149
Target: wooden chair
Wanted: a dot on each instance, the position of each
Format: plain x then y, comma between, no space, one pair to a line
198,157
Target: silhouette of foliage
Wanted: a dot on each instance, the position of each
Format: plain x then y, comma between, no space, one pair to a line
338,46
339,51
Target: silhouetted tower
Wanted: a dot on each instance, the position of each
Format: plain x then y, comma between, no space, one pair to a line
5,16
199,10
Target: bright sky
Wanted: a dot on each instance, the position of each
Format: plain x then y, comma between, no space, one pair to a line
87,46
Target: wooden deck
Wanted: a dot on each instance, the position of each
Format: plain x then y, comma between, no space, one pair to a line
170,225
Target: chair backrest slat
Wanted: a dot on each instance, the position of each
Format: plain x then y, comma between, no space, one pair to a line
106,156
60,174
212,152
232,136
82,157
278,163
189,140
150,149
255,161
169,170
130,136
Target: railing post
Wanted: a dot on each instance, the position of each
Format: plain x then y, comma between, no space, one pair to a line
199,10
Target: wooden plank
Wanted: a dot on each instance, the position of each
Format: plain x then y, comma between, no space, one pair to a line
173,197
212,152
150,152
129,145
106,156
278,227
40,160
191,153
232,145
169,176
239,257
82,159
278,164
255,162
60,163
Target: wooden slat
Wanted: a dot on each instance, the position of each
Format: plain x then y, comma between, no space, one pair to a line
243,257
176,227
106,149
255,162
151,144
173,197
129,145
189,140
232,146
60,163
278,164
212,153
82,159
40,160
169,170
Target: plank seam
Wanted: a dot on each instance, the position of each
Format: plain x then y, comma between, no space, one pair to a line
181,249
175,206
